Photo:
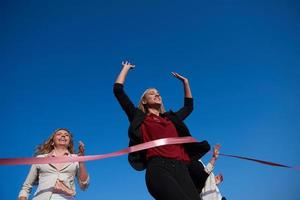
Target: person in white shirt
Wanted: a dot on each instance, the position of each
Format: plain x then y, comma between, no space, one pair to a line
210,191
56,181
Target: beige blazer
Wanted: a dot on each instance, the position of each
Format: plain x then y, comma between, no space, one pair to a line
45,177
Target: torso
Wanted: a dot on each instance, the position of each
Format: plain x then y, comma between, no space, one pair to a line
157,127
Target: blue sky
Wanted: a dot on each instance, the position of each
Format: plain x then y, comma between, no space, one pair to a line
59,59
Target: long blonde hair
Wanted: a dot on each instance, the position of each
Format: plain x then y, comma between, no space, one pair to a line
143,107
48,146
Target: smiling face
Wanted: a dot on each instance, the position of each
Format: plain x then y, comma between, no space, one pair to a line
152,97
61,138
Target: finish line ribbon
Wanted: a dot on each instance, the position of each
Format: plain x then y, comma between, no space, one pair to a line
132,149
260,161
135,148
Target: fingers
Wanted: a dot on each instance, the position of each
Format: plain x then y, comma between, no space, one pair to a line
176,74
217,146
180,77
127,64
81,143
219,178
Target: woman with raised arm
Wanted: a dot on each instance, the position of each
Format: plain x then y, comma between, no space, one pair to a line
210,191
167,173
56,181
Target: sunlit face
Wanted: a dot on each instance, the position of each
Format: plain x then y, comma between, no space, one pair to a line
61,138
152,97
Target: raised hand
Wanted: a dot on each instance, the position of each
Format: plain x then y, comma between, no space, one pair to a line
128,65
180,77
185,81
81,149
123,73
216,150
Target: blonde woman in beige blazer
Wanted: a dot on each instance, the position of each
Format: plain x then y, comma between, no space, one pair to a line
56,181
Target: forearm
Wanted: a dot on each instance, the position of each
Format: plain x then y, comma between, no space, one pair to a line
122,75
22,198
210,166
213,161
215,156
187,89
83,174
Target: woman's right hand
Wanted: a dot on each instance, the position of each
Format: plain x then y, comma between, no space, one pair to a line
127,65
180,77
22,198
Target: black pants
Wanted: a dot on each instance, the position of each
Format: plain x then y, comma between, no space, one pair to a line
169,179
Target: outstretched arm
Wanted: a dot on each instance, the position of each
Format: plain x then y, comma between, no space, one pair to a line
122,76
210,166
188,100
120,94
83,177
186,85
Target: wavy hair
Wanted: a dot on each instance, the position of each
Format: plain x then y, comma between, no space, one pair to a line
48,146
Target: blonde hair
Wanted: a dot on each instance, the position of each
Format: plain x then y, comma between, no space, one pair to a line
48,146
143,107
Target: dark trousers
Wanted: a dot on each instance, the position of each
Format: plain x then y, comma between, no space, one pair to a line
169,179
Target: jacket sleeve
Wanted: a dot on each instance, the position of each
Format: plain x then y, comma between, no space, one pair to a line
124,101
31,179
186,109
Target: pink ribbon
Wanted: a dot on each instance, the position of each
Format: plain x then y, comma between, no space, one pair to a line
260,161
139,147
65,159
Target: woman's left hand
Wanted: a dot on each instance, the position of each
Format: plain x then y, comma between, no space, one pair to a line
180,77
81,149
216,151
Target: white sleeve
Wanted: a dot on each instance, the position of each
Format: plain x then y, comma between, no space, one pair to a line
31,179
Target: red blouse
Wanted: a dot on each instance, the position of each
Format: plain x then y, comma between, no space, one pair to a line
156,127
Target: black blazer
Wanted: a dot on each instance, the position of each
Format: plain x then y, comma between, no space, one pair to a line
136,117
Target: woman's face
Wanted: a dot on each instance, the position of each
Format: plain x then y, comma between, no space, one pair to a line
152,97
61,138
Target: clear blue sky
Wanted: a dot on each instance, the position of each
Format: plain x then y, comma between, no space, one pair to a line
59,59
